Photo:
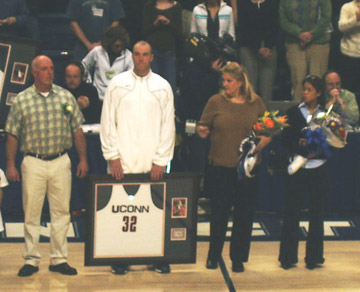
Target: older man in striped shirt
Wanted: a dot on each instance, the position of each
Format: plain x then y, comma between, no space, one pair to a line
44,119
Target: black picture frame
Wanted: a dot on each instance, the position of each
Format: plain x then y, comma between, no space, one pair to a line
179,234
14,52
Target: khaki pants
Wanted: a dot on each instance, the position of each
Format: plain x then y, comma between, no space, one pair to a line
53,178
261,72
312,59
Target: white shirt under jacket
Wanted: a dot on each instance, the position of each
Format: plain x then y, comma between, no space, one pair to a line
138,121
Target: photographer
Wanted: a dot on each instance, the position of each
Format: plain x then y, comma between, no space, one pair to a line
201,75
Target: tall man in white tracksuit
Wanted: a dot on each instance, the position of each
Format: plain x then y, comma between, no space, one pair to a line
137,129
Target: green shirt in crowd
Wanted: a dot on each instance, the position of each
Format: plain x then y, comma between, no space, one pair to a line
298,16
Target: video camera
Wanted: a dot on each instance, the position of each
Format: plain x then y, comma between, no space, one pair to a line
205,49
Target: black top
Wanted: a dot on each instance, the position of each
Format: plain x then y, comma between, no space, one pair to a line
213,26
93,111
258,24
291,135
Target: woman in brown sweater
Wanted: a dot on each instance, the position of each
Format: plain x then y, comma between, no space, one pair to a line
228,118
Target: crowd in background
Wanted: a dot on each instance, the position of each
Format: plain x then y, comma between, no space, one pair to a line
266,33
278,42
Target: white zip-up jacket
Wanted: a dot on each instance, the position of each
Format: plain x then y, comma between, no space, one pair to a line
226,20
138,121
97,63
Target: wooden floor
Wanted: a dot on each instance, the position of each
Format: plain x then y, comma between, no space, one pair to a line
341,272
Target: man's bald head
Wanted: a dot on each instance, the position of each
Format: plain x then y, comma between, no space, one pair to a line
43,72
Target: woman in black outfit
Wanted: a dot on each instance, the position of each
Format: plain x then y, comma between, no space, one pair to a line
311,180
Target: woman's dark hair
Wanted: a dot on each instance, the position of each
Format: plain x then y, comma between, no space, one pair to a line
318,84
114,33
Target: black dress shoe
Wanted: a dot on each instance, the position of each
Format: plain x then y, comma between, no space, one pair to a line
311,266
161,268
120,269
238,267
287,266
212,265
27,270
63,268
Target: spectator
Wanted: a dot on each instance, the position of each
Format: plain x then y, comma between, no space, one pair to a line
111,58
349,25
257,23
343,101
162,28
45,133
88,21
13,15
137,128
305,24
214,19
86,94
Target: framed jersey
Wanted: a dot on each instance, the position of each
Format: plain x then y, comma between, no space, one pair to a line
139,221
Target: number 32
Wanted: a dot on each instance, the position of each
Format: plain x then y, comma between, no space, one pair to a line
129,223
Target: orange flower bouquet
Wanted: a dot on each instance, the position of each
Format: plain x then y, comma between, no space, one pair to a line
270,124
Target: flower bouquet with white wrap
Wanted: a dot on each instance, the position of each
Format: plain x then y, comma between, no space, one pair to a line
325,130
268,125
333,127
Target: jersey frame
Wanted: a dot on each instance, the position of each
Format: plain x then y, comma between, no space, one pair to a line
180,226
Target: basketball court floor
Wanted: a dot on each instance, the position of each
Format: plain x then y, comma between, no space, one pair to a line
341,272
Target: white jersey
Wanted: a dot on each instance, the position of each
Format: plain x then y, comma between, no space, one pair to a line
130,226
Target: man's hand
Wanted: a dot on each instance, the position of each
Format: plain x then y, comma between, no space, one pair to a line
336,98
83,102
305,37
116,169
82,169
265,53
157,172
8,21
12,173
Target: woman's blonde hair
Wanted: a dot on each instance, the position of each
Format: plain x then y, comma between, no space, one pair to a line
239,73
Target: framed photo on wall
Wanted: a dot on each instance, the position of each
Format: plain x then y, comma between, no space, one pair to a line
10,98
134,221
19,73
4,60
16,55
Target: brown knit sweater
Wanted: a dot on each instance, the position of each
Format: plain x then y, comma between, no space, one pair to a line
229,124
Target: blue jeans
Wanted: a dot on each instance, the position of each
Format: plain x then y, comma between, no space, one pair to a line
164,64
